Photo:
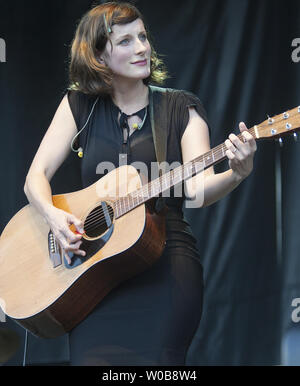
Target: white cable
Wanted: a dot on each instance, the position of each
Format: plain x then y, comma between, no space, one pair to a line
72,143
25,348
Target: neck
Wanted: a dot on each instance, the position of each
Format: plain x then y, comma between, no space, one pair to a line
130,96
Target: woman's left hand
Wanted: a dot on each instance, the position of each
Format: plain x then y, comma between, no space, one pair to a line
241,154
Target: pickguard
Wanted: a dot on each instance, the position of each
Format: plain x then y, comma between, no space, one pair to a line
90,247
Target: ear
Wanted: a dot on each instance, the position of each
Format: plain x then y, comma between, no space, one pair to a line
101,60
99,57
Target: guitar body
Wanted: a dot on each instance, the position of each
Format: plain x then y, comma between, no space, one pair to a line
50,299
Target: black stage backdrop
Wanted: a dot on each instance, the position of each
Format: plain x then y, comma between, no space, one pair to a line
236,55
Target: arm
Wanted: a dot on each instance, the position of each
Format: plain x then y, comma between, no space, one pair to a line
195,141
52,152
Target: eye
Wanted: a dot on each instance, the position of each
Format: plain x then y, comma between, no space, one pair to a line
124,42
143,36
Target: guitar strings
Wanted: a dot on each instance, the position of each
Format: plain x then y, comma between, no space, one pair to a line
98,218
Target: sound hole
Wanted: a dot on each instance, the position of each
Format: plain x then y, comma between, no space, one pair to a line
99,220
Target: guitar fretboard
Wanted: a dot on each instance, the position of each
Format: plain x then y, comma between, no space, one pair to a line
172,178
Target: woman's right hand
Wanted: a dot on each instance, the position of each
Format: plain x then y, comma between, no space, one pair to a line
59,222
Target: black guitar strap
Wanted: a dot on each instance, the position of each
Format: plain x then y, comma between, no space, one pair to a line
158,114
158,118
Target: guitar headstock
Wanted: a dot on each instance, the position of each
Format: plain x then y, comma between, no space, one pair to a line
279,126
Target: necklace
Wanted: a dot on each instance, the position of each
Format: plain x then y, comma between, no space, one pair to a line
136,125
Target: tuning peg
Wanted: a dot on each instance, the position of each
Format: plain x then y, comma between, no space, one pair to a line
270,120
295,137
280,142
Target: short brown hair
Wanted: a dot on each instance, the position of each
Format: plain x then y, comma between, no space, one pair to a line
86,74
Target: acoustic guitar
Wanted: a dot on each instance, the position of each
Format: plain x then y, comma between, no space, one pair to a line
123,236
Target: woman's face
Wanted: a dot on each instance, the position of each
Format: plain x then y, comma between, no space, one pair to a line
130,45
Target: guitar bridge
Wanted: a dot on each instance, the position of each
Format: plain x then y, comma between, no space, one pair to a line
54,250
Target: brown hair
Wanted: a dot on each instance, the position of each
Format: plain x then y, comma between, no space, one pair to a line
86,74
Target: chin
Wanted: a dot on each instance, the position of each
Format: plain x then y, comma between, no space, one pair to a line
141,76
135,76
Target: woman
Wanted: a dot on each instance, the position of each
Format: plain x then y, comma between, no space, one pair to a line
150,319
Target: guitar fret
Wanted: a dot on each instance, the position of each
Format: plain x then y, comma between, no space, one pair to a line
196,168
158,186
149,190
129,206
133,201
193,168
151,186
145,194
166,180
125,204
162,183
177,178
122,206
189,170
186,171
118,208
171,177
208,160
138,198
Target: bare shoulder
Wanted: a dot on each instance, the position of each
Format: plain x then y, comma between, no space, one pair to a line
56,143
195,140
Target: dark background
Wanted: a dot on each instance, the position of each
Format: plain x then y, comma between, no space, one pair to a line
236,56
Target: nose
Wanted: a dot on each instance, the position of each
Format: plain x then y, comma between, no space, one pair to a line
140,47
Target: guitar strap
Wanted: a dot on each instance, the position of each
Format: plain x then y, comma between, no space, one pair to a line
158,118
158,114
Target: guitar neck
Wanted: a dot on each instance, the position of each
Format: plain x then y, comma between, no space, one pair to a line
172,178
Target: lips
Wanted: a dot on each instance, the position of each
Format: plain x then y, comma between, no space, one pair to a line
141,62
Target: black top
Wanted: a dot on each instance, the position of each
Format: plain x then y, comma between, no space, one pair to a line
102,140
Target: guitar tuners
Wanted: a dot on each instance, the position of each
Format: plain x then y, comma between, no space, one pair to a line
286,115
295,135
298,109
280,142
288,126
270,121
